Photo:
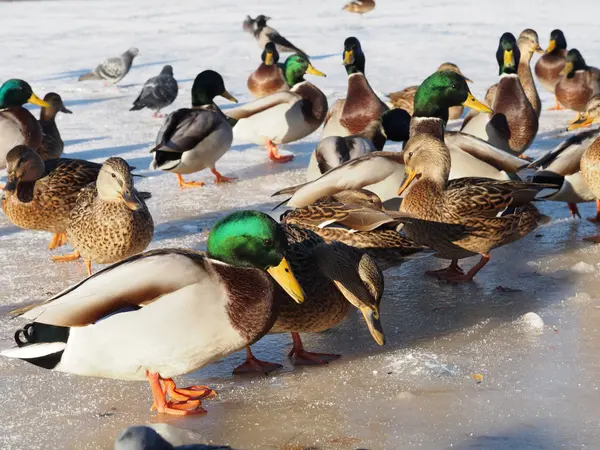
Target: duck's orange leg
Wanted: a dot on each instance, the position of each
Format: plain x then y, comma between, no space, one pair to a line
66,258
58,240
452,269
465,277
163,406
274,154
252,364
557,107
597,218
187,393
221,178
302,357
88,266
188,184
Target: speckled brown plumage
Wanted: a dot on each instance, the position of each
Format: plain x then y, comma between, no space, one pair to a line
359,6
590,167
574,93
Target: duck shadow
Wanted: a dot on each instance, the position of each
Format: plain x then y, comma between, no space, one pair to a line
324,56
70,142
106,152
66,74
155,63
526,436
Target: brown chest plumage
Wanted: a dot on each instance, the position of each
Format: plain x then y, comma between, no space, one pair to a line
362,106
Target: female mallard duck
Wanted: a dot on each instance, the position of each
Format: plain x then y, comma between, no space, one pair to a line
514,123
332,276
109,221
40,195
285,116
193,139
17,125
359,6
580,83
268,78
361,106
218,303
52,143
562,166
487,213
549,67
590,166
405,98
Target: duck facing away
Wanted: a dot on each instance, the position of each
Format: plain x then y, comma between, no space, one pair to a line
158,92
193,139
109,221
114,69
549,67
221,301
40,195
333,276
52,143
17,125
269,77
285,116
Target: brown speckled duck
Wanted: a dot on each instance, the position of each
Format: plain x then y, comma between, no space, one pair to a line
269,77
40,195
17,125
359,6
405,98
549,66
109,221
52,144
361,106
579,84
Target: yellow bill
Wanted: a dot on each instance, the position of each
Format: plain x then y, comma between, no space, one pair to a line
269,59
538,49
35,100
311,70
582,122
567,69
374,324
473,103
410,176
509,59
551,46
228,96
283,275
348,56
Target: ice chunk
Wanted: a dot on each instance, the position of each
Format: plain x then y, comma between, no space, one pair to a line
531,321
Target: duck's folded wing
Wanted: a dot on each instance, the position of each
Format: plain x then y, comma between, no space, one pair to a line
278,39
262,104
566,157
134,282
184,129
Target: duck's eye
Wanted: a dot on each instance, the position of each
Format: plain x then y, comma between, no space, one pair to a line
114,175
268,242
410,154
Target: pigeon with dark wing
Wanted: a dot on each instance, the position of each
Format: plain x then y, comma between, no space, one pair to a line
158,92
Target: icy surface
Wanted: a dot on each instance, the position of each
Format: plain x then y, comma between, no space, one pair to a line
458,371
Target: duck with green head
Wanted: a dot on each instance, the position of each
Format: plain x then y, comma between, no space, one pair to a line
549,67
177,309
579,84
466,216
17,125
269,77
282,117
361,107
193,139
514,124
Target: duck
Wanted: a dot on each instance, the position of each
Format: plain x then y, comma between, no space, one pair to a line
263,33
269,77
40,195
332,151
562,165
405,98
549,67
491,213
192,139
514,124
112,70
158,92
109,222
352,115
218,302
141,437
52,143
17,125
359,6
590,163
285,116
579,84
333,277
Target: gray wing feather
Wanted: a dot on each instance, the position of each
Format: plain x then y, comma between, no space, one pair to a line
184,129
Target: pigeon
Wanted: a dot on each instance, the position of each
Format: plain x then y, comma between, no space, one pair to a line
158,92
112,70
145,438
263,34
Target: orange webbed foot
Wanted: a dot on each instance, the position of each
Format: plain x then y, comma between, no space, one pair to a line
274,154
221,178
188,184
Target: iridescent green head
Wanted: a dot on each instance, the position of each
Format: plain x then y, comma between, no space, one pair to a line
207,86
508,54
15,93
295,67
574,62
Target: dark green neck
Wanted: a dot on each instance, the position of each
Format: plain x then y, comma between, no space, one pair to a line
429,104
201,98
293,75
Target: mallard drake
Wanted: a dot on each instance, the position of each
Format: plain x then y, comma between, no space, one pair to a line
359,6
580,83
109,222
114,69
361,106
285,116
269,77
590,162
405,98
549,67
193,139
332,276
514,123
158,92
52,143
393,125
40,195
17,125
492,213
263,33
219,302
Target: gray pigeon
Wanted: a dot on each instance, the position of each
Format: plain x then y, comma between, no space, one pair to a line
158,92
145,438
264,33
113,69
